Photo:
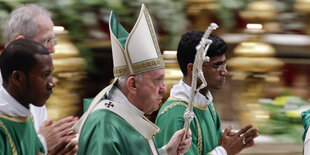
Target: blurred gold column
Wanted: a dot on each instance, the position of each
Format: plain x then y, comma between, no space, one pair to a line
253,67
303,7
172,71
68,73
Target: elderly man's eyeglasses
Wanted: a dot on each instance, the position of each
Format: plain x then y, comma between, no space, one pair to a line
219,66
50,42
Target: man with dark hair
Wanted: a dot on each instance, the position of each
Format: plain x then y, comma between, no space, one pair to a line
206,126
26,68
33,22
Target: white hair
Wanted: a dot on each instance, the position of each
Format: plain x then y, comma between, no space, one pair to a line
23,21
122,80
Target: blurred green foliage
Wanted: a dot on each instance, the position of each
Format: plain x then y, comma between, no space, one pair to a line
87,20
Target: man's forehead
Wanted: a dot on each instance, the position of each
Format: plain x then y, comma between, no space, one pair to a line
216,59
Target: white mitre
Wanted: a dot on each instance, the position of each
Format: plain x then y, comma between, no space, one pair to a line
133,53
137,51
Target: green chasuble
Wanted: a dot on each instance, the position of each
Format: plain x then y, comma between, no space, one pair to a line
104,132
18,136
205,127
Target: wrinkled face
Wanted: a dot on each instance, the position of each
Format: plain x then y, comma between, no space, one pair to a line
46,34
40,84
215,72
150,90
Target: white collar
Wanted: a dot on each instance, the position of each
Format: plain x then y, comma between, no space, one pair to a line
9,106
116,95
182,90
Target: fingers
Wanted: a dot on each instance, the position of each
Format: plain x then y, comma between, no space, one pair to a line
47,122
66,128
189,134
65,120
72,148
245,129
249,144
65,147
250,135
227,130
185,145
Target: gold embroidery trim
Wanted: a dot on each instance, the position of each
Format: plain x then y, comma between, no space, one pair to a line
171,106
198,125
15,119
213,109
148,65
139,67
199,136
120,71
148,20
10,138
199,106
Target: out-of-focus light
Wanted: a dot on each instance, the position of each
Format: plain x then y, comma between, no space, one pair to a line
170,52
58,28
254,26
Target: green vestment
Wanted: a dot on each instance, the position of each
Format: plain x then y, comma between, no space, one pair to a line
18,136
104,132
205,127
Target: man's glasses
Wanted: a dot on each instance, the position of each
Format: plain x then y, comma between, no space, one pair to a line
219,67
50,42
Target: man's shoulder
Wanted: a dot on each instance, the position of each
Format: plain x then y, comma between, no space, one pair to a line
174,102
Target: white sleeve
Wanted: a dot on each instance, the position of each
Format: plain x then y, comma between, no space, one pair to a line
219,150
39,115
43,141
307,143
162,150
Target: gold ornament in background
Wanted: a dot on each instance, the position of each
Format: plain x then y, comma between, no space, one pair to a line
253,55
68,73
302,6
261,10
253,67
195,7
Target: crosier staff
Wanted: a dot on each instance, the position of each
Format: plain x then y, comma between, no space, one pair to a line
197,72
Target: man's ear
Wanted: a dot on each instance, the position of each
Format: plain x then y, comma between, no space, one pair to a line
189,68
18,78
131,84
20,37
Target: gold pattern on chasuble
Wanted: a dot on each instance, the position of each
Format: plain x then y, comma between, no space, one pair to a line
199,145
171,106
213,110
15,119
196,105
9,136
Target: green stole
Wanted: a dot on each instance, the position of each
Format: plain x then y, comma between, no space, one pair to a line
205,127
306,122
18,136
105,132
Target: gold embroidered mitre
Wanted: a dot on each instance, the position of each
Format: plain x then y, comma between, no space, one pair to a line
137,51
